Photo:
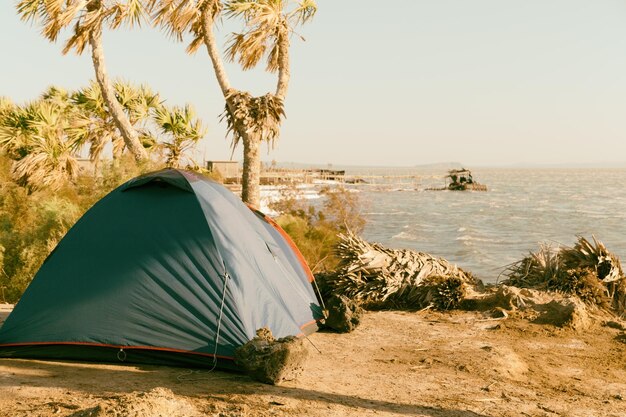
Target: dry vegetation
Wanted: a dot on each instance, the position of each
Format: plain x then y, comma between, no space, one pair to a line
378,277
587,270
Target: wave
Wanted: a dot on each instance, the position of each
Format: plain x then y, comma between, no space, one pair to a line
386,213
469,238
405,236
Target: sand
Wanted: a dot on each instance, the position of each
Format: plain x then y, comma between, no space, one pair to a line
395,364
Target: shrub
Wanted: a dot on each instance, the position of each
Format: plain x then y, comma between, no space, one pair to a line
33,222
315,228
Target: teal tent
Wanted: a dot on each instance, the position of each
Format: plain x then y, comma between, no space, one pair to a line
168,268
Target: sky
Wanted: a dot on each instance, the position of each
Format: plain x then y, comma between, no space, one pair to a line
402,83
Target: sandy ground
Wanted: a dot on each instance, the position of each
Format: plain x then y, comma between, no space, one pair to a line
395,364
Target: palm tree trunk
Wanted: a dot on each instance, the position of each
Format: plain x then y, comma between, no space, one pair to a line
211,46
250,182
284,73
117,112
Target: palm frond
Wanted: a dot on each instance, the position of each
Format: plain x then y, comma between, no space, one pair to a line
182,131
304,12
587,270
131,13
376,276
260,116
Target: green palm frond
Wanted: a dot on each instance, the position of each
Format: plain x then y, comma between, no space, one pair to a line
15,130
90,98
182,130
50,160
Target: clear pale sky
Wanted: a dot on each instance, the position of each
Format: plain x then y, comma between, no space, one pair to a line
482,82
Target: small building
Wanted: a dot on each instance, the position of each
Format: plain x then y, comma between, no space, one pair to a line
227,169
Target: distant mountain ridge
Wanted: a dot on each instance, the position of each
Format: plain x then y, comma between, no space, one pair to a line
445,166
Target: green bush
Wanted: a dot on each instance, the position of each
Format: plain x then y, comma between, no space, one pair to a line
33,222
30,227
315,229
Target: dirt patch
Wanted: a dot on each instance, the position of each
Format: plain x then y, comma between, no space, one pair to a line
158,402
433,364
541,307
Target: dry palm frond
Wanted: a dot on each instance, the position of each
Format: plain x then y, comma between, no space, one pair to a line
537,269
380,277
588,271
587,255
267,25
257,116
440,292
584,283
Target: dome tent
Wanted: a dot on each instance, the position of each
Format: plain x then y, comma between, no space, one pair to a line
168,268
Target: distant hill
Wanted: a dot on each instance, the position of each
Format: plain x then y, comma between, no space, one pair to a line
439,166
588,165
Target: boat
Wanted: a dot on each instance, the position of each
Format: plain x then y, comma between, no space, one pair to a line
462,180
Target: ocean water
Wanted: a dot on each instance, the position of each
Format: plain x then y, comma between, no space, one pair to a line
484,232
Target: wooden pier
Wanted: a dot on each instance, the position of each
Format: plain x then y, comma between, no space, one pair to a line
315,176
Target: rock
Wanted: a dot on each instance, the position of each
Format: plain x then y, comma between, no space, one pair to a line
270,360
502,298
344,315
568,312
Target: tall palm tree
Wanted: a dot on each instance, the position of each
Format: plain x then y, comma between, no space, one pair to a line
268,25
88,17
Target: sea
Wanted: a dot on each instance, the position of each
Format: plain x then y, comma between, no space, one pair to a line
484,232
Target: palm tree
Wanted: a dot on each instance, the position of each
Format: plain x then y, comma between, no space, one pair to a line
268,25
34,137
88,18
14,130
182,130
95,127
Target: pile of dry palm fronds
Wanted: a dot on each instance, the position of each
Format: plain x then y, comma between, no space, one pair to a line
588,270
260,116
378,277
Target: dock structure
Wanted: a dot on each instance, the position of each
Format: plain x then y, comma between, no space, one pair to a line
275,176
272,175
